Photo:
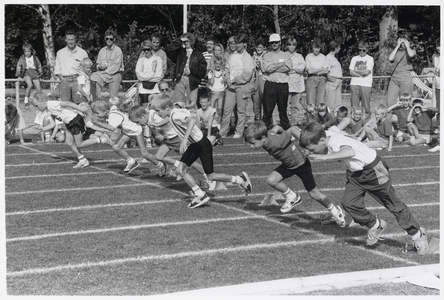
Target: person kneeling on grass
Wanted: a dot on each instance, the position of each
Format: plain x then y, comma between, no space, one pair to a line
67,112
193,145
294,162
366,173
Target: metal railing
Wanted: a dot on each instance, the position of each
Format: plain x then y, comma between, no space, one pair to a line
379,89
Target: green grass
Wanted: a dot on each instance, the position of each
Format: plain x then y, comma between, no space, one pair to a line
97,232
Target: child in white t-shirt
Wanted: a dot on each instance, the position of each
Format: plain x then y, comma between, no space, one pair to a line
84,81
206,120
366,173
71,115
217,86
117,114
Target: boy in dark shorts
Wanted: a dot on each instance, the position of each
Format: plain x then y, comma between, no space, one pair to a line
366,173
420,122
193,145
66,112
294,162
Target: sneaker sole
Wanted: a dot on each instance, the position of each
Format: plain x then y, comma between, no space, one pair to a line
80,167
203,201
371,243
299,201
130,170
247,179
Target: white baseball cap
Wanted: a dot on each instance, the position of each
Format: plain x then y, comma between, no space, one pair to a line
275,37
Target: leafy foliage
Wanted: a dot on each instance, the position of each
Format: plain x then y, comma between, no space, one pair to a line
134,23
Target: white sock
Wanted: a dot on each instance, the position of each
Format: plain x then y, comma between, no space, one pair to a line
130,159
376,224
236,179
197,191
26,99
159,165
176,163
416,236
81,157
289,194
333,209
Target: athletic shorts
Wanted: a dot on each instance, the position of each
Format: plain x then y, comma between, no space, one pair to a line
173,143
32,73
304,172
203,150
76,125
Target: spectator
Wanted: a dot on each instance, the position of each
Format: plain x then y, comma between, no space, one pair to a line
361,70
109,66
437,66
316,70
218,54
149,73
296,82
276,66
238,76
84,81
231,47
210,50
67,68
30,69
217,86
401,80
156,41
333,85
191,66
259,79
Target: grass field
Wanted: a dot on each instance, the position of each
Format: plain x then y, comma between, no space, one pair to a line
95,231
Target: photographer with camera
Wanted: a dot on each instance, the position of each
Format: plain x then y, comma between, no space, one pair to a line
401,80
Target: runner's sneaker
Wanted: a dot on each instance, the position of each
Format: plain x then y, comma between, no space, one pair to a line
198,201
421,244
373,235
81,164
211,184
246,184
104,139
132,165
340,217
290,203
162,171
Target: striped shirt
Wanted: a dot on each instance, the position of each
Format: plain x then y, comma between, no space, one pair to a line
179,120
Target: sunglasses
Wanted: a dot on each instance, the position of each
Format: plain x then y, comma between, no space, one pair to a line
146,49
109,39
164,90
184,42
274,42
362,50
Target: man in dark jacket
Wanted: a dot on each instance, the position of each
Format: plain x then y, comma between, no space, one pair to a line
191,66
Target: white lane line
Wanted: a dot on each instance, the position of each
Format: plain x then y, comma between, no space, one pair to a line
250,215
135,149
253,247
225,165
84,188
133,227
218,154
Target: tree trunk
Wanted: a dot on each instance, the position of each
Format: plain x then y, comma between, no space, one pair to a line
48,40
276,18
388,23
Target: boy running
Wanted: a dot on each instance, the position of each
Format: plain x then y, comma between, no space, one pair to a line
366,173
193,145
294,162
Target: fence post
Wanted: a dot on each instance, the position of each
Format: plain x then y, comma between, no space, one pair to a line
17,93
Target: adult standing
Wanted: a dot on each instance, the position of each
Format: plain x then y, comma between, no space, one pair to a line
149,73
401,80
156,41
437,66
238,75
191,66
110,67
361,70
333,96
296,82
316,70
275,68
68,66
259,79
210,49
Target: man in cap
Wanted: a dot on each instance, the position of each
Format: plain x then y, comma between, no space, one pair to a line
275,68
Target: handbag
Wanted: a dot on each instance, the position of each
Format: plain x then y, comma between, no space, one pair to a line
149,85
